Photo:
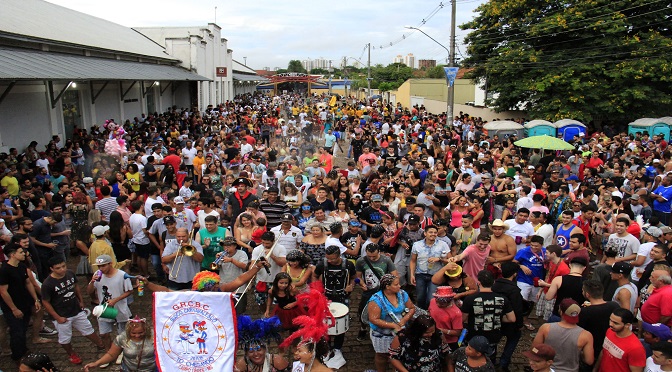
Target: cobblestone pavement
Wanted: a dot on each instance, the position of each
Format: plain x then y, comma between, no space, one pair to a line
359,355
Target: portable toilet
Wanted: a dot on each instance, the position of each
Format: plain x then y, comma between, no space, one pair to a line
540,128
653,126
504,129
568,128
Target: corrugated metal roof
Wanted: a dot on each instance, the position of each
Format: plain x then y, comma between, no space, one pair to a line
42,20
24,64
244,77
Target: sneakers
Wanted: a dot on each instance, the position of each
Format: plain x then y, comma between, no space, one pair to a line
336,360
46,331
75,359
363,335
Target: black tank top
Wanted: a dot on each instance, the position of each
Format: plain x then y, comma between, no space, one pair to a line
571,288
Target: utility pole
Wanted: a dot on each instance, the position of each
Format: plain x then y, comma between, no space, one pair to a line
330,70
368,73
451,63
245,60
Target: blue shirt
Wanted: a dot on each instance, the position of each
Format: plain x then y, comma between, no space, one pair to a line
534,262
388,312
425,252
329,140
665,192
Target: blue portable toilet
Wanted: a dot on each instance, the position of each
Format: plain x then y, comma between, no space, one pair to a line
504,129
568,128
652,126
540,128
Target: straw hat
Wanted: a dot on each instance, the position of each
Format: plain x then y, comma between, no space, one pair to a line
499,223
296,171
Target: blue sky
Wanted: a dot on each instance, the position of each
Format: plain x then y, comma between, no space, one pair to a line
270,33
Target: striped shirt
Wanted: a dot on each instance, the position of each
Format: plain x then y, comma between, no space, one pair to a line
106,206
273,212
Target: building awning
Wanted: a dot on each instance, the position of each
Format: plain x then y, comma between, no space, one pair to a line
25,64
246,77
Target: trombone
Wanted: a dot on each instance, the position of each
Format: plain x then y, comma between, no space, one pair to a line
185,250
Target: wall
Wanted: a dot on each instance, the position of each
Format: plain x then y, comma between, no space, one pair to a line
25,117
483,112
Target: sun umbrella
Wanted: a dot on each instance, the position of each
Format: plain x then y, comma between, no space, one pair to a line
544,142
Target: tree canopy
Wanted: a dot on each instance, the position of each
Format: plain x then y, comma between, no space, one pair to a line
601,60
295,66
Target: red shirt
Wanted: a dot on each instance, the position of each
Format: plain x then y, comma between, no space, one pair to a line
594,162
555,270
584,225
618,354
174,161
658,305
446,318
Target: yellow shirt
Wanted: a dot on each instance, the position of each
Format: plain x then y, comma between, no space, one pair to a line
11,184
134,180
100,247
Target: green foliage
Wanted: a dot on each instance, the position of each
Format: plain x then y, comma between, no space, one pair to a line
587,60
435,72
295,66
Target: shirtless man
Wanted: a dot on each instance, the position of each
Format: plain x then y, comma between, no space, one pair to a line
502,247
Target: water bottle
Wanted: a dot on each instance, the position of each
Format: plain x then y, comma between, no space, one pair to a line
141,288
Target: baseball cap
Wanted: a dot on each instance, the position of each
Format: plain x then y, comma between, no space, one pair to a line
178,200
661,331
100,230
531,167
103,259
572,178
481,344
358,196
666,230
87,180
376,197
355,223
620,268
570,310
540,353
634,197
409,200
287,217
168,220
654,231
413,219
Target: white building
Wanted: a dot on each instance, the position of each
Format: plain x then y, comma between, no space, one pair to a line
398,59
61,69
409,60
245,79
202,50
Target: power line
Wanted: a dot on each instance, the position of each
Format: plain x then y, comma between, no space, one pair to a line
555,33
407,34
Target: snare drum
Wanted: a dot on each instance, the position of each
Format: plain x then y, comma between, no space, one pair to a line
341,314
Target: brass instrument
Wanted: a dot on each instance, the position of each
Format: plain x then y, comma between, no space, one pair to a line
215,264
185,250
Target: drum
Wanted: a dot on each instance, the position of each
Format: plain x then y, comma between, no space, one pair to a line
341,314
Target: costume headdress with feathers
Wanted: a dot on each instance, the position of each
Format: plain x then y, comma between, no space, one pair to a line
312,326
257,332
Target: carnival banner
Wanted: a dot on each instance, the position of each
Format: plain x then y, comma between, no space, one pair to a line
194,331
451,74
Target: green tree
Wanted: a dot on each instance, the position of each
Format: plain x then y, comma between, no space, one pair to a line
435,72
295,66
588,60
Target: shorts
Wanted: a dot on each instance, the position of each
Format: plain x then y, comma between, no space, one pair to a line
381,343
262,297
105,326
528,291
80,322
142,250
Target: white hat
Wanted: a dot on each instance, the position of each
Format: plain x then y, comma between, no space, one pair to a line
178,200
100,230
656,160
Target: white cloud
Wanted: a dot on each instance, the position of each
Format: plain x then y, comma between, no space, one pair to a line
270,33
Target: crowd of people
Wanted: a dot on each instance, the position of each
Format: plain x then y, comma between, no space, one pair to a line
456,240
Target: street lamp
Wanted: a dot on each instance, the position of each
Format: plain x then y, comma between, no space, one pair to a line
450,99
